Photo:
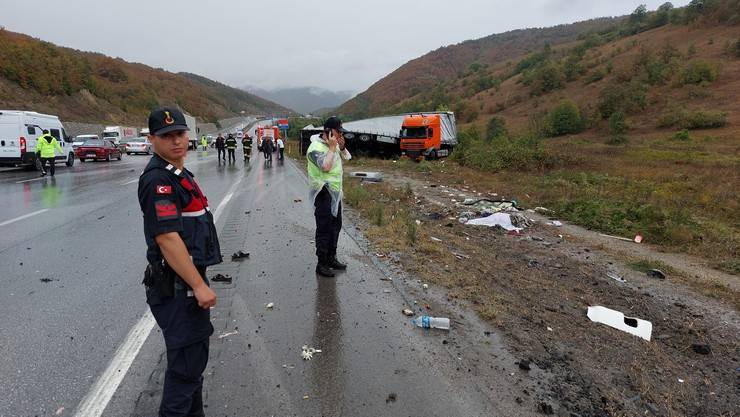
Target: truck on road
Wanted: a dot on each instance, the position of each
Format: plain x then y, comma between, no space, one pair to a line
428,135
118,134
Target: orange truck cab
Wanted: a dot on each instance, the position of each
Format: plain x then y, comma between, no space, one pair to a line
428,135
267,132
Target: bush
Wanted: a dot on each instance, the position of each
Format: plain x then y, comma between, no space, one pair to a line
737,48
565,118
683,135
496,127
627,98
617,124
700,119
698,72
520,153
545,78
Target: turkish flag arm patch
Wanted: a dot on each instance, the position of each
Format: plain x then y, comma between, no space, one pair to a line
164,189
166,210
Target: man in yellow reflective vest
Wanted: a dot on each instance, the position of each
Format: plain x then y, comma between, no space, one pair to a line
204,142
46,147
325,181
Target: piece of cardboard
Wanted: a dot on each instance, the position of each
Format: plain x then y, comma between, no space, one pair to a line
616,319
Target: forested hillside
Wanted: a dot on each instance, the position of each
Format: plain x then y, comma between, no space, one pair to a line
90,87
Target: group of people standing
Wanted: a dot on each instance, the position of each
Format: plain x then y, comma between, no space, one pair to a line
229,144
268,146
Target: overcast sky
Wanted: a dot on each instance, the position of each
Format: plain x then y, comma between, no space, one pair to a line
334,44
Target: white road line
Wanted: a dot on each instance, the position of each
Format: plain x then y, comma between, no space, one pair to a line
25,216
130,182
97,399
32,179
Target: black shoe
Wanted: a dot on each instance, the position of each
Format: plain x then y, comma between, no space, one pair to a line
43,174
335,264
324,271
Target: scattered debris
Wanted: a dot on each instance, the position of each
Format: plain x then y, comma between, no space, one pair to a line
367,176
525,365
680,380
221,278
655,273
59,412
308,352
616,277
386,291
47,280
545,408
701,349
407,312
227,334
392,397
305,397
239,255
638,327
427,322
418,222
297,200
556,223
542,210
435,239
461,255
549,329
502,220
269,306
637,239
101,217
425,286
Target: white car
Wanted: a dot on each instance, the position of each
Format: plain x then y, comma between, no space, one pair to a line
138,145
80,139
19,131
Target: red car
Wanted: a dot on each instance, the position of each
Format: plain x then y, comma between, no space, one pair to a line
98,149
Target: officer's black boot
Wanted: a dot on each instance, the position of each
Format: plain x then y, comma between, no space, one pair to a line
323,268
335,264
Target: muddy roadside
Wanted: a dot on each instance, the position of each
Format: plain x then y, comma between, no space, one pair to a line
534,288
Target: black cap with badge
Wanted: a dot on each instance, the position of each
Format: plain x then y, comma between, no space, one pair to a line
334,123
165,120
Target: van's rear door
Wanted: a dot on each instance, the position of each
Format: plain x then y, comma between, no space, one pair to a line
10,128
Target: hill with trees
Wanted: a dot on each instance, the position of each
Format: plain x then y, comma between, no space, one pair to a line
94,88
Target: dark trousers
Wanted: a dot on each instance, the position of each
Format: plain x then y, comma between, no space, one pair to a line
232,155
182,395
247,153
327,227
221,153
51,162
281,153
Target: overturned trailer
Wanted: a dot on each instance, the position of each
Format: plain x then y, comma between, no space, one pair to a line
375,136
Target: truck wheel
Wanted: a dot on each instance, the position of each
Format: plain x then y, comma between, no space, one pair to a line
70,160
433,154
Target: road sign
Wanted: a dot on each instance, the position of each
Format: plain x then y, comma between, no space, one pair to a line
283,124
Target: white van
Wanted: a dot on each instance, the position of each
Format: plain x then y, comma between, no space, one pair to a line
18,132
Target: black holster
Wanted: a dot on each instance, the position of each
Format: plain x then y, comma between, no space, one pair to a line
161,277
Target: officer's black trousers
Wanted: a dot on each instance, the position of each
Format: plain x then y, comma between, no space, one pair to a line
232,155
282,150
221,153
327,227
51,162
183,381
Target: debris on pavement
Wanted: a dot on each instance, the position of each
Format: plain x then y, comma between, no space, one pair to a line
239,255
407,312
47,280
269,306
701,349
221,278
616,319
427,322
308,352
59,412
655,273
616,277
227,334
392,397
461,255
556,223
436,239
305,397
525,365
297,200
425,286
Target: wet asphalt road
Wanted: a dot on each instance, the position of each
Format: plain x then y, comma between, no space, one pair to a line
57,337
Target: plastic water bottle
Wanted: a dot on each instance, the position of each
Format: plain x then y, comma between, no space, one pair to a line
427,322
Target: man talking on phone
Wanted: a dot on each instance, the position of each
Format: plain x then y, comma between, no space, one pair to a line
325,181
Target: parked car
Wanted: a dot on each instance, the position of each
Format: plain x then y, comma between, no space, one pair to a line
98,149
138,145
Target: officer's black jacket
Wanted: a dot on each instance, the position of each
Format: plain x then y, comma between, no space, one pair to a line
171,201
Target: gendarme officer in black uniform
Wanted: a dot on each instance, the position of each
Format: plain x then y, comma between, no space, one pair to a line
181,242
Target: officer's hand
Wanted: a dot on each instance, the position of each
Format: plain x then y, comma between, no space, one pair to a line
205,296
332,140
340,141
